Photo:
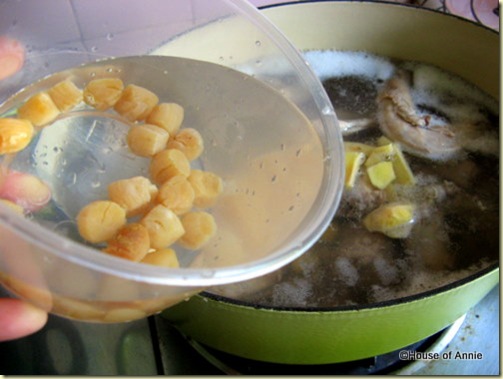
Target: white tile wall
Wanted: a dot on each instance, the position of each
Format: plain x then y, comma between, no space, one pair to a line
26,19
101,33
138,13
40,22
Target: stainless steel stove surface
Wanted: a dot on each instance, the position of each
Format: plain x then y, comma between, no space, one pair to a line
152,347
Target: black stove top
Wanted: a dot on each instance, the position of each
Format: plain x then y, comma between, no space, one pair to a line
153,347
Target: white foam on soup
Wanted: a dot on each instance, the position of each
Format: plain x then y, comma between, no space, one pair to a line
436,82
334,63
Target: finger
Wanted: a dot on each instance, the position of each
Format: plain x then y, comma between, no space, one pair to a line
11,57
19,319
24,189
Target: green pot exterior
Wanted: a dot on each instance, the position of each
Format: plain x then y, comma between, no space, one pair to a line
320,337
310,337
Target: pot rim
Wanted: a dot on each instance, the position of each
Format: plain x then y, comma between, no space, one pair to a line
343,308
389,3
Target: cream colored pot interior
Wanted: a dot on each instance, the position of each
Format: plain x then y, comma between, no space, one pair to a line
398,32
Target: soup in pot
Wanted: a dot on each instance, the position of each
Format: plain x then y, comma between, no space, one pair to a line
420,207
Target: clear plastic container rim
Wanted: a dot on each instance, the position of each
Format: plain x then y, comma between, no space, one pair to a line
318,217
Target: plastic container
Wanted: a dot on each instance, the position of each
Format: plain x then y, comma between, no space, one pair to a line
281,162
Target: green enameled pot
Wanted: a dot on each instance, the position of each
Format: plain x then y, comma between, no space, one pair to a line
320,336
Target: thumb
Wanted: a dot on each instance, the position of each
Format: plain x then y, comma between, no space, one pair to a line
11,56
19,319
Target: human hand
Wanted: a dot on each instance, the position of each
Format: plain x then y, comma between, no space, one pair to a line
17,318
